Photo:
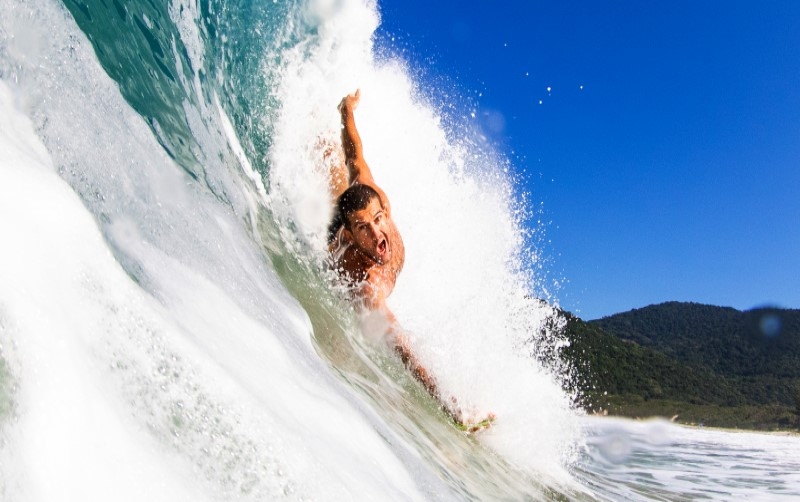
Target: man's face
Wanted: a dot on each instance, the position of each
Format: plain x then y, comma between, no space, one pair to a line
370,230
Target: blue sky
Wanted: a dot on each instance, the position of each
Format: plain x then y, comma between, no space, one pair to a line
666,152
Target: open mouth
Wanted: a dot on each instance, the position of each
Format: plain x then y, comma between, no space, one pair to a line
382,247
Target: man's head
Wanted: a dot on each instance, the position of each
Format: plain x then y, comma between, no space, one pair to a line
361,212
355,198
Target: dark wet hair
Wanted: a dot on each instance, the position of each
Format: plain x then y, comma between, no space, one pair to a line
355,198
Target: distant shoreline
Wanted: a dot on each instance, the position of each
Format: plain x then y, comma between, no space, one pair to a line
748,431
658,418
765,418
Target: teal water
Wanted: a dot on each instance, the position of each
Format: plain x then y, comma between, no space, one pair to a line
160,73
167,326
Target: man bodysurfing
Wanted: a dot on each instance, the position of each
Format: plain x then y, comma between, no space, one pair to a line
366,248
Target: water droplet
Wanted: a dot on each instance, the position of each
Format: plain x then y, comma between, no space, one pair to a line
770,325
616,447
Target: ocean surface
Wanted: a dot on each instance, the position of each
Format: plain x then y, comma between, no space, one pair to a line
169,329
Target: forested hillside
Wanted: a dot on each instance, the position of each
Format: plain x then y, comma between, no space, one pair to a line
706,364
756,342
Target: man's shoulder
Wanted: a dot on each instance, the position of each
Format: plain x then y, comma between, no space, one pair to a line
347,259
399,255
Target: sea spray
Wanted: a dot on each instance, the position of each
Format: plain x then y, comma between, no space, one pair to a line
63,415
464,296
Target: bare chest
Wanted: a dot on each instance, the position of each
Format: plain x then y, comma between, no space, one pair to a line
356,267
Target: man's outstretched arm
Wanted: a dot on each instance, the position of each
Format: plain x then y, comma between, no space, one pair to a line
412,363
358,169
403,349
351,141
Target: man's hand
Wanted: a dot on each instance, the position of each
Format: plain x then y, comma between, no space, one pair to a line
350,102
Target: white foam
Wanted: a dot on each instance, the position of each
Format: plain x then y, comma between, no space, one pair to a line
51,262
657,459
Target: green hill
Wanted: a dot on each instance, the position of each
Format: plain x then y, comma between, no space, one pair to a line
733,343
706,364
